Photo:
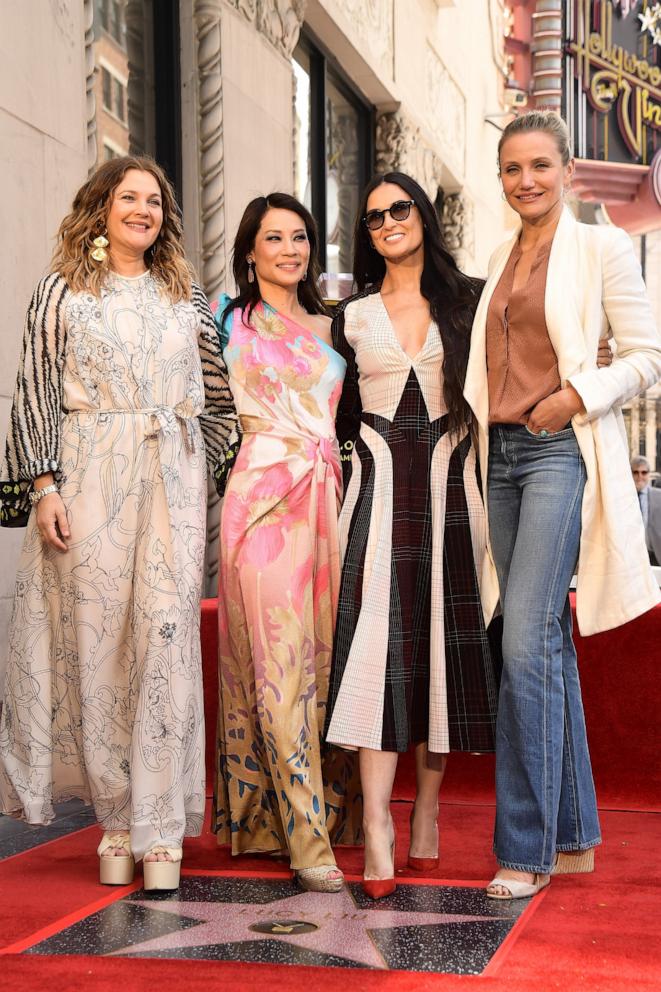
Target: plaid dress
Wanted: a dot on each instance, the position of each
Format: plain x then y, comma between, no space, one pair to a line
412,660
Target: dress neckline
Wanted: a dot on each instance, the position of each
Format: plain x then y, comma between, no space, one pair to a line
291,320
411,358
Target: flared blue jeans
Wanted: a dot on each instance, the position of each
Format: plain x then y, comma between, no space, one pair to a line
545,798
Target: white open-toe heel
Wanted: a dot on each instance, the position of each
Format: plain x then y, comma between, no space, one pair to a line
115,869
515,889
162,874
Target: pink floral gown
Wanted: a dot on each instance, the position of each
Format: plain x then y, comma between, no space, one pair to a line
278,589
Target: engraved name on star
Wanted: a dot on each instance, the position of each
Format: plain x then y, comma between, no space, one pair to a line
344,928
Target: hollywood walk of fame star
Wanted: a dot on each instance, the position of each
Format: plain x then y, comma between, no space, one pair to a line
343,928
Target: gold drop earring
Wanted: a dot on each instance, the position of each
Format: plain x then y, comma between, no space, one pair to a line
99,254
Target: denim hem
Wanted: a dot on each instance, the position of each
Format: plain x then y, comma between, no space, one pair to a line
532,869
586,846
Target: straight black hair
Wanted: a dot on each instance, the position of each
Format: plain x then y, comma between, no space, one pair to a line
452,295
248,292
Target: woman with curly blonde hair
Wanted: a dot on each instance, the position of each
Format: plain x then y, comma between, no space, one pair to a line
121,390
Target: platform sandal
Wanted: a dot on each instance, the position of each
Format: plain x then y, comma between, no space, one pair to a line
115,869
573,862
316,879
162,875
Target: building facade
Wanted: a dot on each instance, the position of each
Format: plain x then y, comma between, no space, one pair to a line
239,98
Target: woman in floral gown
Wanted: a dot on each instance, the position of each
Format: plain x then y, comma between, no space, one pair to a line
279,557
120,374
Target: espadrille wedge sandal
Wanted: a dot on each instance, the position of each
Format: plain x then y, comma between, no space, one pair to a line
573,862
317,879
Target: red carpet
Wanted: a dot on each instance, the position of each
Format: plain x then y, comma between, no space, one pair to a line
597,933
594,932
619,675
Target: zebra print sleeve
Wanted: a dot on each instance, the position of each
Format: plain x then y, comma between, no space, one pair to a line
33,439
219,420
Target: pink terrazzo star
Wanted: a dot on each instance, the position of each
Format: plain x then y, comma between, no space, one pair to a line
343,931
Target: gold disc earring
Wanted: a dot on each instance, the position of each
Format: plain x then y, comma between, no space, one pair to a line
100,244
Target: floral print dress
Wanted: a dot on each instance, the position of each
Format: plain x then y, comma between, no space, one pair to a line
103,696
279,580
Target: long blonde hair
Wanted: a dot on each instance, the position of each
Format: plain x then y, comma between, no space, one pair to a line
87,220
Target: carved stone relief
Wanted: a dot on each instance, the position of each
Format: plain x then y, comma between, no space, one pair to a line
457,224
400,146
90,105
372,22
278,20
446,111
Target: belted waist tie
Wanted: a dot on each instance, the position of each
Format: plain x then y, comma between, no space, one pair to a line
162,419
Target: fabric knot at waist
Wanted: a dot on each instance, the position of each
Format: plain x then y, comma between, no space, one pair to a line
314,445
165,420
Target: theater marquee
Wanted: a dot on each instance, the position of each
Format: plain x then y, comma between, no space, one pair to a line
613,79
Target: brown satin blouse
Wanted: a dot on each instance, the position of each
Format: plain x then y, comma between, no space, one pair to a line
522,366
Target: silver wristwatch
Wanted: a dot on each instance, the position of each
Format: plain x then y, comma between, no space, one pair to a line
38,494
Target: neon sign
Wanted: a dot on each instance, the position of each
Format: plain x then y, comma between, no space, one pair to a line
616,80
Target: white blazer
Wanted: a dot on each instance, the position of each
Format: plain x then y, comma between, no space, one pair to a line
593,287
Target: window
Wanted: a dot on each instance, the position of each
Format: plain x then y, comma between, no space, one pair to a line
109,152
334,151
114,94
138,95
111,14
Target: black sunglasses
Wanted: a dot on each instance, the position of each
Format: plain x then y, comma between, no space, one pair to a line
399,210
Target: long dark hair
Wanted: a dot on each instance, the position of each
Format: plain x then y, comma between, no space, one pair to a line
248,292
452,296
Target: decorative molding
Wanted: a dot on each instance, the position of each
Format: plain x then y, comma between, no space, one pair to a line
401,147
90,105
458,226
207,14
211,191
372,24
278,20
446,111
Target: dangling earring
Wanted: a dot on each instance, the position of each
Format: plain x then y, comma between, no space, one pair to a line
99,254
251,271
304,276
502,193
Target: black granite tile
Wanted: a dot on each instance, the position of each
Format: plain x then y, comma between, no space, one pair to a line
17,836
431,928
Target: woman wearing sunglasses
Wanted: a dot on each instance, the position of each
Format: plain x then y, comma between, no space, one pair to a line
412,664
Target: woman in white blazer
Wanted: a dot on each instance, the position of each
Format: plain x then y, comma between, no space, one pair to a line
554,462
